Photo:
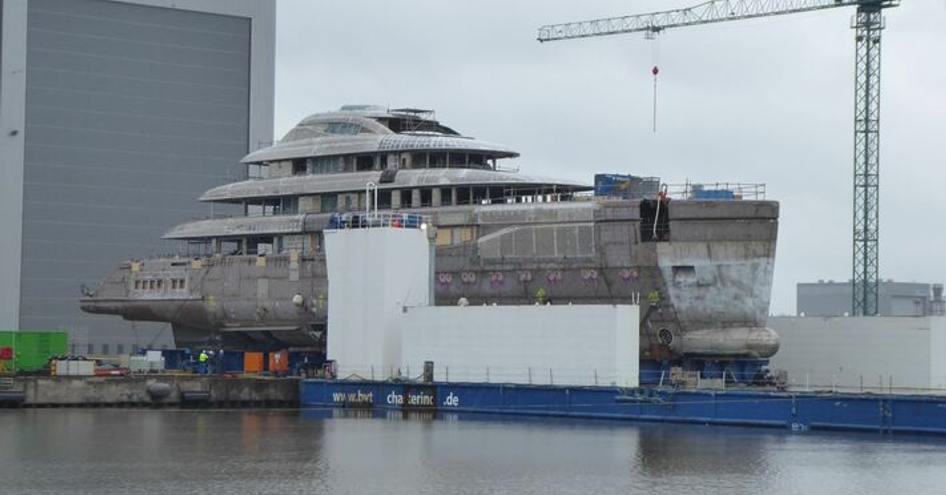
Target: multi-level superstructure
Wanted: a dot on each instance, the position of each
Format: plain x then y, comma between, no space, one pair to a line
701,267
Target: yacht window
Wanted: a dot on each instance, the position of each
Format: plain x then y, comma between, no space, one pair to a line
446,196
173,284
405,198
384,200
496,195
151,284
364,163
426,197
298,167
458,159
119,348
403,162
257,171
324,165
383,162
230,247
181,284
159,284
399,125
105,349
349,202
418,160
479,195
271,207
438,160
137,284
89,349
477,160
290,205
343,128
260,246
463,195
413,124
329,203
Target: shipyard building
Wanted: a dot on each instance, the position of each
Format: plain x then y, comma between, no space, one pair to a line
114,117
830,298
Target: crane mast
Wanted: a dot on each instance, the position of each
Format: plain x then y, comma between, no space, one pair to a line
868,22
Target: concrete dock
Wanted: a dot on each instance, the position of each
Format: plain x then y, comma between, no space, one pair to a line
148,391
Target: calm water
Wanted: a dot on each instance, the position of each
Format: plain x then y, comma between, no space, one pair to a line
236,452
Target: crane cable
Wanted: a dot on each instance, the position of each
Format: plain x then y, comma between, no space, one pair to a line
655,57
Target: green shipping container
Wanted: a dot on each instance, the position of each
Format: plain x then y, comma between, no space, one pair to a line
32,350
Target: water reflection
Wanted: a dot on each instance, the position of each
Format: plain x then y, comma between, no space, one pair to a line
361,451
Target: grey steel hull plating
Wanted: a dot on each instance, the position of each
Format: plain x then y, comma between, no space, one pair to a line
705,289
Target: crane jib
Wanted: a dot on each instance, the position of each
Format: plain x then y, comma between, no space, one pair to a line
705,13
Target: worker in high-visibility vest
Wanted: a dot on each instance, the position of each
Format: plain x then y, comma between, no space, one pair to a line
202,362
540,296
654,297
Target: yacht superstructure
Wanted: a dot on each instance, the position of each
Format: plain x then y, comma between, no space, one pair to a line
702,267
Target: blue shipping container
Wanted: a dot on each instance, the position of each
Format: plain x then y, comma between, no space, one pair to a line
233,361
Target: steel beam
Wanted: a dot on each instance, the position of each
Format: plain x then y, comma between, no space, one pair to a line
868,24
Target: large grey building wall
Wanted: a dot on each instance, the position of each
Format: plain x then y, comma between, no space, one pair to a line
12,104
834,299
823,299
132,111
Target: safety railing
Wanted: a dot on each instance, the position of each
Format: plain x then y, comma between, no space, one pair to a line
526,375
721,191
848,383
718,191
905,382
340,221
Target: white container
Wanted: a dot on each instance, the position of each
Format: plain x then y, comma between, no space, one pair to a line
139,364
84,368
156,365
75,368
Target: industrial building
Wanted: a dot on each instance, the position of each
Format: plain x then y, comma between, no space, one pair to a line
830,298
114,117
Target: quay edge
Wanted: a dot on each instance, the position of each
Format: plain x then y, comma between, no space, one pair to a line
150,391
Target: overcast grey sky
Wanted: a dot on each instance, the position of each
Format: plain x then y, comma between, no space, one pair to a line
768,100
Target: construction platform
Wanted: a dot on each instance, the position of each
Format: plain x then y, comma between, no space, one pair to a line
796,411
165,390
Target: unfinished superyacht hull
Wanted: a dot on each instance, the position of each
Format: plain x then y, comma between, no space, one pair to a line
702,270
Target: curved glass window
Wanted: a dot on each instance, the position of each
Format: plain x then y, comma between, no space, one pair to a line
348,128
324,165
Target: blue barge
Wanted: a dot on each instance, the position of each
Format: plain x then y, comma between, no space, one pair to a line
798,411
